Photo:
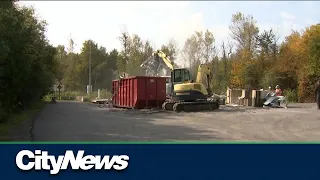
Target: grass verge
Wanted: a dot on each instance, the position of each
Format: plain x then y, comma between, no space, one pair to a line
15,120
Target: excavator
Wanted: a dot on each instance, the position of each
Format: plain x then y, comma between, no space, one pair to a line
186,95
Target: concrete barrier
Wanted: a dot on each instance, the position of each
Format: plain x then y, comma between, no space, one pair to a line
79,98
82,99
244,97
85,99
233,96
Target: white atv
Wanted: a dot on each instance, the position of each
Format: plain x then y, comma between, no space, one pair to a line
275,101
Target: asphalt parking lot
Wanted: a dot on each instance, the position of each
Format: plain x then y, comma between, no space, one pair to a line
76,121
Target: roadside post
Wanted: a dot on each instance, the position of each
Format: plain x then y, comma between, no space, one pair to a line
59,88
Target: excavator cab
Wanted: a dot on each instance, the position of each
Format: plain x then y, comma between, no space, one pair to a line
180,76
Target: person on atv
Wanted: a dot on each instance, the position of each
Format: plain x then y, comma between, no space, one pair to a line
278,91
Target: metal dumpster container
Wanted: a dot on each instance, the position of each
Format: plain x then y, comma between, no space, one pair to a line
139,92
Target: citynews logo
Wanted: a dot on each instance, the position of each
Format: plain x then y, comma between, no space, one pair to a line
40,160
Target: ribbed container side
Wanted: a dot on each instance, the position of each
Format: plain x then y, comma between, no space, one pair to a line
139,92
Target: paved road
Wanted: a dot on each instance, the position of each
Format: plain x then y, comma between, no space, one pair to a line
76,121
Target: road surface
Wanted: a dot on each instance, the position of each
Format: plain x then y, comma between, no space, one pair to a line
76,121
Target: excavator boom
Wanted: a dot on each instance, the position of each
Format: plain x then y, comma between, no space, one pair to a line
204,70
165,59
156,63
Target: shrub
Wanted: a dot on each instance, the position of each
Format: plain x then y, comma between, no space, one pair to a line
291,95
71,95
68,95
3,115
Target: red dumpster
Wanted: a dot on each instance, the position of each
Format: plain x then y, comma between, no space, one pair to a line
139,92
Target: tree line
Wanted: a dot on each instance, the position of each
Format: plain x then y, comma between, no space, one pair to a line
251,58
27,66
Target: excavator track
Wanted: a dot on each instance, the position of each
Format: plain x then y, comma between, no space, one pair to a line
191,106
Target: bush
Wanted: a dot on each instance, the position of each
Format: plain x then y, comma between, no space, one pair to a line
306,89
105,94
68,95
291,95
72,95
3,115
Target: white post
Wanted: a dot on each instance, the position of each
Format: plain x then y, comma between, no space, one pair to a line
90,86
89,89
98,93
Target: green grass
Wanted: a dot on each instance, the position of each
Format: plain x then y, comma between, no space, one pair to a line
16,119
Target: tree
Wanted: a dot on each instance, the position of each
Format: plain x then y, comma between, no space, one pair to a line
27,59
209,51
135,56
60,59
225,65
265,42
71,45
267,50
291,60
309,65
243,31
192,52
147,50
171,49
311,40
200,48
125,43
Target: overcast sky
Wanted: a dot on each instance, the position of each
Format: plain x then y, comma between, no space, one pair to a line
158,21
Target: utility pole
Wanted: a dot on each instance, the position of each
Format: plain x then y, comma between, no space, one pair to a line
90,69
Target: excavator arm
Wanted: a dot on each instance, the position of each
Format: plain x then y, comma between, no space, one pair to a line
156,62
204,71
165,59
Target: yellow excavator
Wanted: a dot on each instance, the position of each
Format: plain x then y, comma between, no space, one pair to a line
186,95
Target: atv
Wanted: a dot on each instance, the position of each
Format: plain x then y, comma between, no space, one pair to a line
271,100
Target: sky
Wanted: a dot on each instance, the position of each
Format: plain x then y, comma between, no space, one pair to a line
158,21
